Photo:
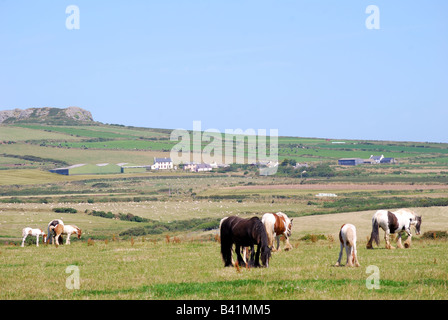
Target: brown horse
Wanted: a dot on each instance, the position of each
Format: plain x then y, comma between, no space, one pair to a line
244,233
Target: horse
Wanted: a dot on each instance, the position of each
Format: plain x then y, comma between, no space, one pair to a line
244,233
394,222
35,233
65,229
244,250
347,238
53,224
277,224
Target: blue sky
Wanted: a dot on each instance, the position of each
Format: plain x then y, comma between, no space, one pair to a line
307,68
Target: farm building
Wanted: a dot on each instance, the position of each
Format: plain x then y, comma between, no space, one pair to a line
102,168
203,167
377,159
191,166
381,159
198,167
350,161
162,164
388,160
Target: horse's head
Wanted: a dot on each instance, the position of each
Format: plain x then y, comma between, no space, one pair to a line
418,223
265,255
79,233
289,227
44,237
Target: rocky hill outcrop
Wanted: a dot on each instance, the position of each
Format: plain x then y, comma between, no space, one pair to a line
46,115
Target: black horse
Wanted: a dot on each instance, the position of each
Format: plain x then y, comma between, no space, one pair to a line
244,233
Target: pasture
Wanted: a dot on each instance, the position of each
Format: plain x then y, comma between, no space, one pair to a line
189,265
166,247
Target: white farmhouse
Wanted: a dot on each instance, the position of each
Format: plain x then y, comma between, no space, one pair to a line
162,164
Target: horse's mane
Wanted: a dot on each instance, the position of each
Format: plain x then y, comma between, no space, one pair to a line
261,231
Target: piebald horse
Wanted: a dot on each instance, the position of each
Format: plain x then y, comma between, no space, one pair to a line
277,224
51,225
65,229
394,222
35,233
347,238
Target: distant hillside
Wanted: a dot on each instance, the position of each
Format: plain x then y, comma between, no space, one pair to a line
54,116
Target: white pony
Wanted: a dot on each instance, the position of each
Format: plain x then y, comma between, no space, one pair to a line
347,237
35,233
394,222
277,224
65,229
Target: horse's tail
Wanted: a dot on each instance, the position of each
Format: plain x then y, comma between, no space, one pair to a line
226,243
375,235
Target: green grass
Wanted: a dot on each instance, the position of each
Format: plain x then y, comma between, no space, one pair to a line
194,270
118,138
120,144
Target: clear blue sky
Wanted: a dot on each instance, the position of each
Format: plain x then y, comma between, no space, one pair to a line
307,68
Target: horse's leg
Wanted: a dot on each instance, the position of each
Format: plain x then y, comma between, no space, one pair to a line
277,239
407,243
252,256
340,256
288,245
23,240
386,237
239,257
257,257
68,238
399,245
355,256
37,240
244,250
348,251
56,239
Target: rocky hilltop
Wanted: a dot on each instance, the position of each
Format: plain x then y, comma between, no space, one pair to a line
46,115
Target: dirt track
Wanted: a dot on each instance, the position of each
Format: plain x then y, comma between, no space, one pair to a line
344,187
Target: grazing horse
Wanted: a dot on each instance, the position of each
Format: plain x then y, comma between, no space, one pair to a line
244,233
35,233
394,222
277,224
347,238
65,229
244,250
51,225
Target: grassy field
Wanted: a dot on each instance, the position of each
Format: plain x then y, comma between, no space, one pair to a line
191,268
152,235
81,144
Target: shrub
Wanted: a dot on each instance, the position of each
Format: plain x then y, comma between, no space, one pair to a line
65,210
313,237
435,235
137,231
